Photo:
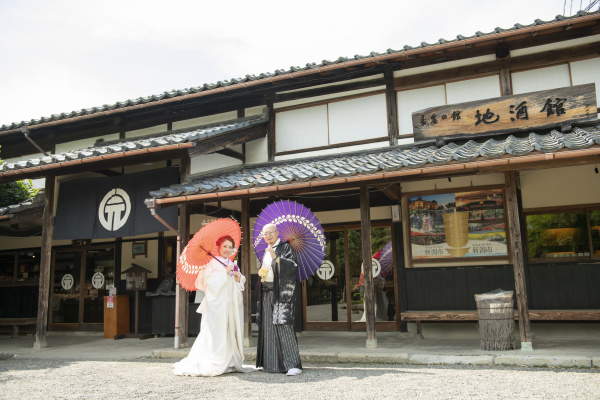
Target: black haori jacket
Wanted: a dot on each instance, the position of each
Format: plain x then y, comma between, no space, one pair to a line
284,283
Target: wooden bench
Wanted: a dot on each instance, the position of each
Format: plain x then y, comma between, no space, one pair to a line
16,322
471,316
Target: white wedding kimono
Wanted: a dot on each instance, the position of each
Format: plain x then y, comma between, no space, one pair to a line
219,347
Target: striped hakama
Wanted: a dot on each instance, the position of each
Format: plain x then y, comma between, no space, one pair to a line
279,345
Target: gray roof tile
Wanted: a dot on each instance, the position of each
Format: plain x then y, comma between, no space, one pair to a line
321,168
156,140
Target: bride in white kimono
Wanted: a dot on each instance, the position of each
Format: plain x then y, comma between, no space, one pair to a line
218,349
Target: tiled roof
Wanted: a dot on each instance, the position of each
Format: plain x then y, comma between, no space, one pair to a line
152,141
392,159
271,75
37,201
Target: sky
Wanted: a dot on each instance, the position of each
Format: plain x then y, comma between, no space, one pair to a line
65,55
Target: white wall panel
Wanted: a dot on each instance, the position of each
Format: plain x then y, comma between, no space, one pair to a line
587,71
538,79
413,100
300,129
210,162
473,89
208,119
560,186
83,143
357,119
384,145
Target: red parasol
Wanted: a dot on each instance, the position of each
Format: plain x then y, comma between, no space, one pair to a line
203,247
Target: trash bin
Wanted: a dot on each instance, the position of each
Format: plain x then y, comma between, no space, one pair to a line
496,320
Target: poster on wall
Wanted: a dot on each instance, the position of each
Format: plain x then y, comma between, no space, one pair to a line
458,225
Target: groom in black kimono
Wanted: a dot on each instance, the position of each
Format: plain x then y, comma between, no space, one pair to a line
277,348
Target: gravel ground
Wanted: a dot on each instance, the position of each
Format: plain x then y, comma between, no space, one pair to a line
153,379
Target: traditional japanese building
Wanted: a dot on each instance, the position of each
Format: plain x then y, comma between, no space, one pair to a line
496,134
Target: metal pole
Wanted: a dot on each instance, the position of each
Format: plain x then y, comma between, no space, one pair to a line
176,337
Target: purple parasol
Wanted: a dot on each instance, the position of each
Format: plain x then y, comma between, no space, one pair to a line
386,259
300,228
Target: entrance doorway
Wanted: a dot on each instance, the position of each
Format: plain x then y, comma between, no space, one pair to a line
79,279
334,297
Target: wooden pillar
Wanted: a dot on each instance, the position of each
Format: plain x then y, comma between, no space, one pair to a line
184,234
45,265
392,108
246,256
505,86
365,232
271,130
517,255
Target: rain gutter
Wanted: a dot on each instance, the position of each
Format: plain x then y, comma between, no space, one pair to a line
511,163
26,134
353,63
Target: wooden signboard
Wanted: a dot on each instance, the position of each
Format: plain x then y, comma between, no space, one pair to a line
525,112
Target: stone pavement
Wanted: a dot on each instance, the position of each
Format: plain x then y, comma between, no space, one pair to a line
581,351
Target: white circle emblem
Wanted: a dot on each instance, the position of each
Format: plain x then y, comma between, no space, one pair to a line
98,280
326,270
376,267
67,281
114,209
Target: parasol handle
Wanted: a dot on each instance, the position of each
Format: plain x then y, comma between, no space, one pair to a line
210,254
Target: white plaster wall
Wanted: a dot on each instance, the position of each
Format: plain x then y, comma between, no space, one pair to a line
457,182
337,151
555,46
10,242
333,96
83,143
210,162
410,101
248,112
538,79
560,186
150,262
587,71
345,216
257,151
302,128
443,66
473,89
357,119
209,119
145,131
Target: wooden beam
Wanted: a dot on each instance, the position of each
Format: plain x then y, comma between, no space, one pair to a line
365,230
221,142
45,265
232,154
246,257
517,255
392,191
392,108
332,89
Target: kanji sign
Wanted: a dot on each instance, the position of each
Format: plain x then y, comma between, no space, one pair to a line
538,110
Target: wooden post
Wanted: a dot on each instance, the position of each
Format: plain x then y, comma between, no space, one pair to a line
271,130
505,86
184,233
45,265
365,232
392,108
246,257
517,255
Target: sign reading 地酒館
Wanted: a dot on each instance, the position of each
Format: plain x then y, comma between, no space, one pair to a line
538,110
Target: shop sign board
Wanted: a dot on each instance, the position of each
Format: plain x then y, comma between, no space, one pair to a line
537,111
